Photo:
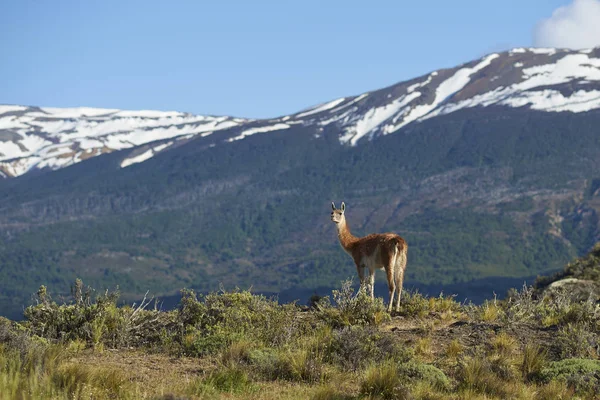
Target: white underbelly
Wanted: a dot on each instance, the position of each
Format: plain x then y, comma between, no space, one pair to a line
373,261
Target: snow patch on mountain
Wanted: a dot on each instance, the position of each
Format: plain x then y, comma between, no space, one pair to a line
426,82
321,108
4,109
569,68
553,100
137,159
444,91
375,117
78,112
145,155
262,129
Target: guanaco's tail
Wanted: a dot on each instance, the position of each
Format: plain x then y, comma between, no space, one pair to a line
400,250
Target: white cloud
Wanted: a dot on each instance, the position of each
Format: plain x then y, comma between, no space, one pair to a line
575,26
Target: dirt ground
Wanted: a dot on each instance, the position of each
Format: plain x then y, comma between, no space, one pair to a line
470,334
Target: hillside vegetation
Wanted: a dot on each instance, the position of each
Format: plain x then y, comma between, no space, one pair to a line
535,344
476,194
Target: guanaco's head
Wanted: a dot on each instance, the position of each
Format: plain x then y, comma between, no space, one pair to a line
337,215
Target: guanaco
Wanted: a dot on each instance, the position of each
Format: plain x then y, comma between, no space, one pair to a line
385,251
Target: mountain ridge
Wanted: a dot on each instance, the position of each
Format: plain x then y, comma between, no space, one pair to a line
51,138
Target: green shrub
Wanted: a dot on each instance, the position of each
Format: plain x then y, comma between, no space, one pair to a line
576,340
83,318
223,318
264,362
349,309
414,371
97,320
190,310
237,353
558,307
355,347
14,337
414,304
580,374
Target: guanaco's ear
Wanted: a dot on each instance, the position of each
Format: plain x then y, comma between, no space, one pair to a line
332,206
343,207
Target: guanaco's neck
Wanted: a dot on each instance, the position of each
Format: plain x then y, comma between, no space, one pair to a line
347,239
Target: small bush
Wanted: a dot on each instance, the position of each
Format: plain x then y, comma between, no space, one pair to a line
414,304
190,311
383,380
454,349
15,338
521,305
301,366
349,309
224,318
355,347
580,374
576,340
264,362
476,374
534,359
413,372
237,353
229,380
547,309
490,311
297,365
97,320
504,366
424,349
555,390
504,344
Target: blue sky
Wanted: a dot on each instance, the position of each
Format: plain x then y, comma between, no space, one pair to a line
243,58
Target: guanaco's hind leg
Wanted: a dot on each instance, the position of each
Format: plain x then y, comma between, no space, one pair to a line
400,267
361,275
391,279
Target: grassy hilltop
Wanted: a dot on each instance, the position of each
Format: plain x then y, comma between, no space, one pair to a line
539,343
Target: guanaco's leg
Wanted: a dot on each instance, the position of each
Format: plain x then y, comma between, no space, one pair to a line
372,283
361,274
400,267
391,284
399,279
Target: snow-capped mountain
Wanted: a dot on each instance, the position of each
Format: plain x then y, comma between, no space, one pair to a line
37,138
550,80
541,79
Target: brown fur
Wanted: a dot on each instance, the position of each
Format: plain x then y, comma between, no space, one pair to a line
386,251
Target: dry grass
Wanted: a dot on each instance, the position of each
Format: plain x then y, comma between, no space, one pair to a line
424,349
534,359
382,380
454,349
